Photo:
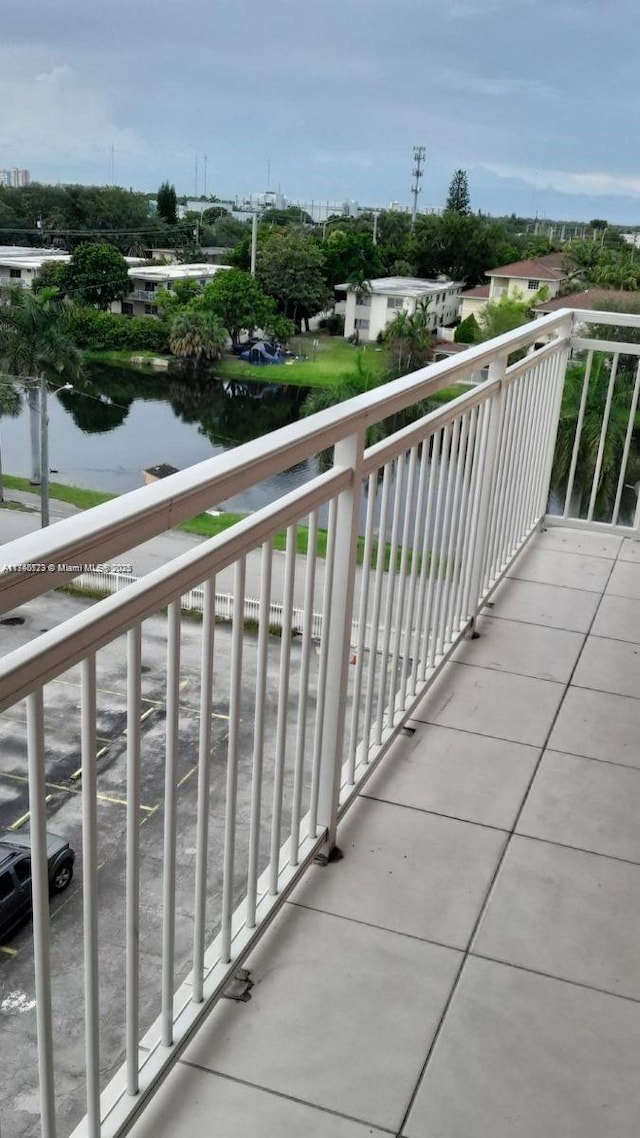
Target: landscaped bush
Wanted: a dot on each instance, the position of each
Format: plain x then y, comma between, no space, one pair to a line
335,324
110,332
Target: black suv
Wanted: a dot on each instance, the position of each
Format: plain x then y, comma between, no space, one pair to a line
15,876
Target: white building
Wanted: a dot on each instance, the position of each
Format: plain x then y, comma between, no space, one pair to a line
368,313
21,264
147,281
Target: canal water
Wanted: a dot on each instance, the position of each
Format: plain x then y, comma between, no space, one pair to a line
104,435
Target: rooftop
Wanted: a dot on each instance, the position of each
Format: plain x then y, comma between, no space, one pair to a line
548,268
479,291
177,272
402,286
587,298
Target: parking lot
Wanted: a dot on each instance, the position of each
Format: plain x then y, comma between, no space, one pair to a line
18,1092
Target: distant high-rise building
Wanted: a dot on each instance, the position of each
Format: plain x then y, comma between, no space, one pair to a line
14,177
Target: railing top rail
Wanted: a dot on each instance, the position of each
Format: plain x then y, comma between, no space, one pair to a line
592,316
611,347
115,527
54,652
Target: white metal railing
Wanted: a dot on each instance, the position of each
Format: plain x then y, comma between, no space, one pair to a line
450,498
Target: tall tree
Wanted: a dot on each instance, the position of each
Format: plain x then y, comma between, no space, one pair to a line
36,344
237,300
458,200
96,274
291,269
168,203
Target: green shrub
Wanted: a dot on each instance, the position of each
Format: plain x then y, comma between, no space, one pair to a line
335,324
111,332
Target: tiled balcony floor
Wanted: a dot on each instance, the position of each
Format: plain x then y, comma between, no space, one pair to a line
471,968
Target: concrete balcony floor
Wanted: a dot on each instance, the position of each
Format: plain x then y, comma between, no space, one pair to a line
471,968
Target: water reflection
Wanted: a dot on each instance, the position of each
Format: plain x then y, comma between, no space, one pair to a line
123,421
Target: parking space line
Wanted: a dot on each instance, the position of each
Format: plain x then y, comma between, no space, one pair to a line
187,775
104,691
67,790
25,817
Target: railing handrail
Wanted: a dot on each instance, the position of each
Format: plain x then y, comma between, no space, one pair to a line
105,531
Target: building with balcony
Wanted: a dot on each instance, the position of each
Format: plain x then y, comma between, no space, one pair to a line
147,281
521,280
376,871
368,311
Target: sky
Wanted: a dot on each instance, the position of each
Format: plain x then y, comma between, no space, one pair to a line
537,99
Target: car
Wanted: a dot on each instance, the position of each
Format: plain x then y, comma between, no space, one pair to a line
15,876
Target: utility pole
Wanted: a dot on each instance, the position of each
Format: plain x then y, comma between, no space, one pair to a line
254,243
196,178
419,155
205,175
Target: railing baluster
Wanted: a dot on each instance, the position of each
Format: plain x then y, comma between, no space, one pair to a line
479,466
401,629
258,732
233,756
443,544
90,892
204,784
327,597
170,821
283,708
303,693
426,559
416,564
348,456
381,554
457,528
362,633
132,966
627,445
603,437
578,434
40,906
391,583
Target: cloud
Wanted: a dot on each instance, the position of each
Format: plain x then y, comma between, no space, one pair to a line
498,87
594,182
51,116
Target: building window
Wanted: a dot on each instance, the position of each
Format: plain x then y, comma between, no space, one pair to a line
533,286
394,302
15,273
127,308
149,310
362,325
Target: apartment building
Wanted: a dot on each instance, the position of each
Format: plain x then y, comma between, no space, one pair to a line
522,280
368,311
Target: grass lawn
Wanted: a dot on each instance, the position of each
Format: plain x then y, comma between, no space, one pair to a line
335,360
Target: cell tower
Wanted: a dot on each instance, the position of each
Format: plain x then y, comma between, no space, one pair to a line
419,155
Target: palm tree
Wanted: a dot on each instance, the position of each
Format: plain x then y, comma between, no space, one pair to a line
36,344
10,404
196,336
409,340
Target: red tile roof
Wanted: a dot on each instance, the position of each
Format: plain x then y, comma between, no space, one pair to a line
547,268
480,291
587,298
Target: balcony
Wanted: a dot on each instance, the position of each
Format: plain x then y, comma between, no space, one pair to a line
468,966
146,294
